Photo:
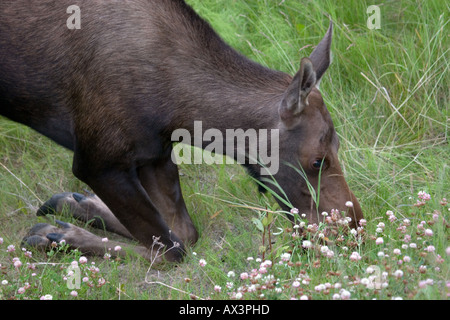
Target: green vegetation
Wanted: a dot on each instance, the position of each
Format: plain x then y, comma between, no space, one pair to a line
388,93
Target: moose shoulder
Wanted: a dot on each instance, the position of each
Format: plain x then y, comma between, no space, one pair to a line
115,90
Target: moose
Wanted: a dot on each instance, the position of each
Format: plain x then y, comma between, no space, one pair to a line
115,89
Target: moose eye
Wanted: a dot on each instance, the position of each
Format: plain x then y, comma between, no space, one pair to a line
317,164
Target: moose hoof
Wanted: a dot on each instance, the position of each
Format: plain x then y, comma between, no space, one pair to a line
37,236
42,235
57,202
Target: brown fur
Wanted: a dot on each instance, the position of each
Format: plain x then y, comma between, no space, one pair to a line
114,91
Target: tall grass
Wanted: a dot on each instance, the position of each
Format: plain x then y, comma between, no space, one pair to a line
387,92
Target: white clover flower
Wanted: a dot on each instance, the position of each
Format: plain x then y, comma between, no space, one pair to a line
370,270
306,244
345,295
398,273
355,256
83,260
285,257
324,249
202,262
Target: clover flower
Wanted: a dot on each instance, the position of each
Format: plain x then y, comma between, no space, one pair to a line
355,256
345,295
202,262
398,273
82,260
306,244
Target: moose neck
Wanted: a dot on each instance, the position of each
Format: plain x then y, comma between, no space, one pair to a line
236,101
232,93
218,86
223,100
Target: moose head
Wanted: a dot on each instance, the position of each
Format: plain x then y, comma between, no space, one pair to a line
310,174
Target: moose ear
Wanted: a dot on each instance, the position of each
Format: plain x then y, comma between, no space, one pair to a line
321,55
296,96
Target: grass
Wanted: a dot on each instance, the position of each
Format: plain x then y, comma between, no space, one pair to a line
387,92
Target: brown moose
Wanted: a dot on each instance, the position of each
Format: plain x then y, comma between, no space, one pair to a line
116,88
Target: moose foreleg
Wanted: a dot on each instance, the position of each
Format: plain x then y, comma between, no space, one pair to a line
161,182
89,209
43,235
124,194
